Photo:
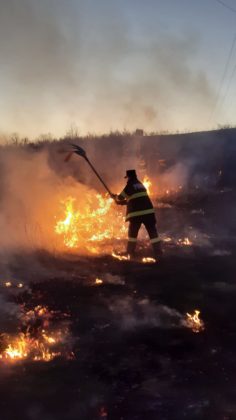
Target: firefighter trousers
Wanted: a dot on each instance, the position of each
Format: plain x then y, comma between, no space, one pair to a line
150,225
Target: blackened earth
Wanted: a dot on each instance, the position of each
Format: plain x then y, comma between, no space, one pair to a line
134,358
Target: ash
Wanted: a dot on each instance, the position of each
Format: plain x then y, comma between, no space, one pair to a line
133,356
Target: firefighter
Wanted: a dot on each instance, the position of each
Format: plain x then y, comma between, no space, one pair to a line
139,211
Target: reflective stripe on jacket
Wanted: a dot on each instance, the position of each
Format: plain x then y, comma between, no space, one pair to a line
136,197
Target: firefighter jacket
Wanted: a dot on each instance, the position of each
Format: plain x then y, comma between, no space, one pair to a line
135,196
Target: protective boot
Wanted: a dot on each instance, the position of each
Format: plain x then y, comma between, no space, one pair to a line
157,249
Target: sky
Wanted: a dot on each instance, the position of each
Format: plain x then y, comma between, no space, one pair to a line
97,66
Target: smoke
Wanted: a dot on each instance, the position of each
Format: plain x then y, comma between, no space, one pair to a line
31,194
26,184
82,63
174,177
35,183
8,308
10,312
109,278
136,313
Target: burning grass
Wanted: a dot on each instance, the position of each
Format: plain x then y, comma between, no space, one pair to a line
92,227
194,322
38,339
95,225
24,346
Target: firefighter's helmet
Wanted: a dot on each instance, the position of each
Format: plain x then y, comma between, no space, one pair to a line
131,173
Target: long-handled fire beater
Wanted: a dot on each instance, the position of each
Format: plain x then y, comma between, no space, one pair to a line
81,152
139,211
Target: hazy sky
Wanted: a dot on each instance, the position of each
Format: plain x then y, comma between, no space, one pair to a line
103,65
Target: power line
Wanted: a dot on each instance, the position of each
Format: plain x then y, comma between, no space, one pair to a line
227,89
223,77
226,5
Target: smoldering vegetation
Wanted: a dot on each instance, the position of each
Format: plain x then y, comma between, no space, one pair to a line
133,353
192,178
132,313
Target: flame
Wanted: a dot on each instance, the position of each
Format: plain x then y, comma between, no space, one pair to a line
68,226
121,257
181,241
39,342
98,281
17,349
100,220
98,224
23,347
147,184
9,284
185,241
166,239
38,312
194,322
148,260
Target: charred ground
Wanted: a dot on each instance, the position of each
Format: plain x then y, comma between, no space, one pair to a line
134,357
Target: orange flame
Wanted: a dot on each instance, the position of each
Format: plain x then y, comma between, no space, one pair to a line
148,260
194,322
147,184
185,241
99,221
42,345
121,257
98,281
23,346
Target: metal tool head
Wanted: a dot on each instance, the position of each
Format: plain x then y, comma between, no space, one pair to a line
76,149
79,151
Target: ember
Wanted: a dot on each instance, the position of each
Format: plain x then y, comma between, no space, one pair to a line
121,257
103,413
194,322
147,260
10,284
184,241
98,281
166,239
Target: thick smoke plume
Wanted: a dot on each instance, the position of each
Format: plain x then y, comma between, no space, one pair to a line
31,193
36,179
80,63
